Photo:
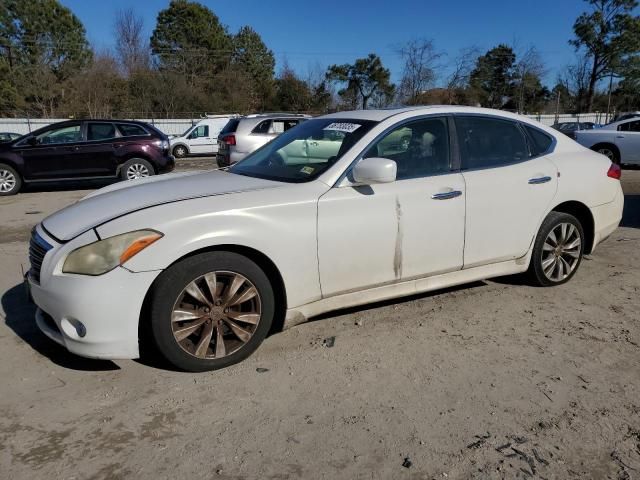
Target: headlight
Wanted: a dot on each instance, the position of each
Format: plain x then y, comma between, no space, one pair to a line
104,255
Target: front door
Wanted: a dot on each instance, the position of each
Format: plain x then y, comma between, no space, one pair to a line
46,158
386,233
508,189
200,140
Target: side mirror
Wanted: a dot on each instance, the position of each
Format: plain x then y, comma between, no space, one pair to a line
375,170
32,141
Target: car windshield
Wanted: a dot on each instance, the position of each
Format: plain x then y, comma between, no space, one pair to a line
305,151
186,132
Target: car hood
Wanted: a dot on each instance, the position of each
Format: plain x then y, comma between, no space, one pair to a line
130,196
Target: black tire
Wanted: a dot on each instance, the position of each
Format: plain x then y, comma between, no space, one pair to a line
140,165
609,151
180,151
536,271
169,288
10,180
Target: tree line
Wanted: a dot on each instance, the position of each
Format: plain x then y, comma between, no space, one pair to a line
193,63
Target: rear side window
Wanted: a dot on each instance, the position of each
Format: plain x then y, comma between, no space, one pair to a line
262,127
540,141
100,131
130,130
230,127
489,142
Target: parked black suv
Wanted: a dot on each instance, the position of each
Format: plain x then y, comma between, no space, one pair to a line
84,149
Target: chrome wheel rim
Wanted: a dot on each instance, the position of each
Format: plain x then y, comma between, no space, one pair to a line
137,170
7,181
561,252
607,153
216,314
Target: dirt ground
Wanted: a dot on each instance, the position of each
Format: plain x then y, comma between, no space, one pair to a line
493,380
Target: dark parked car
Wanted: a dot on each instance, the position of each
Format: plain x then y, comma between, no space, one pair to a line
82,150
9,136
570,128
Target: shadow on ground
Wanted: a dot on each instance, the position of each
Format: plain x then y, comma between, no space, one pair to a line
631,213
20,317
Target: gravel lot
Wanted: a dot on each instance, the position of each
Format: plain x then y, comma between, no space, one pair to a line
493,380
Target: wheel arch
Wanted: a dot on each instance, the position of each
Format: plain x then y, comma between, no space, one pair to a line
610,145
262,260
130,156
584,216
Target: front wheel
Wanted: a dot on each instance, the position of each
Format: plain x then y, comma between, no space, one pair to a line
210,311
180,151
557,251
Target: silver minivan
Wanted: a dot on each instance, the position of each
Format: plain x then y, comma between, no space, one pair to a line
241,136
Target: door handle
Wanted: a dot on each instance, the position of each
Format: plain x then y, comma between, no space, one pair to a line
538,180
71,149
446,195
619,136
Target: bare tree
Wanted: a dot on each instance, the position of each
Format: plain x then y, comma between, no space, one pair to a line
530,68
575,79
131,47
461,68
420,63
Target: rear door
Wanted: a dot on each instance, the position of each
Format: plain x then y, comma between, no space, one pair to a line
628,141
96,156
510,183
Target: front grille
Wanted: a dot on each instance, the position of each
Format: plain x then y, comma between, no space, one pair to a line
38,248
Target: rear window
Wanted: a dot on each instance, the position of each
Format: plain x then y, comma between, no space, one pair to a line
230,127
130,130
100,131
540,142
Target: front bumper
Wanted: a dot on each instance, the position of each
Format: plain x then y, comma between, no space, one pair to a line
95,317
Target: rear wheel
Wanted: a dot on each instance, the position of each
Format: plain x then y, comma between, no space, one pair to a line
211,311
10,180
609,151
136,168
557,251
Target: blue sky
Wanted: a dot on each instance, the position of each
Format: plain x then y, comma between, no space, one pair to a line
326,32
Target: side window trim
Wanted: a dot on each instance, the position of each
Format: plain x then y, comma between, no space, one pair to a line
530,142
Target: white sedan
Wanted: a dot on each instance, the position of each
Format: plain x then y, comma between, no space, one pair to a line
203,265
619,141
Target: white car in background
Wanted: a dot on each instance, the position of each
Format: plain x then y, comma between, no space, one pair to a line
201,138
619,141
204,265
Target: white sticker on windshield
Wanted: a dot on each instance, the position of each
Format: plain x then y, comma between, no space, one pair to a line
343,127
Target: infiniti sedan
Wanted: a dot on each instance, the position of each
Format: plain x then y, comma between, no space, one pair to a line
389,203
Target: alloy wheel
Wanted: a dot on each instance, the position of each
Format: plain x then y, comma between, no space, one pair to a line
216,315
607,152
137,170
7,181
561,252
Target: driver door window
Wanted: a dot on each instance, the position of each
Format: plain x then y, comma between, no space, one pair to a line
69,134
200,131
420,149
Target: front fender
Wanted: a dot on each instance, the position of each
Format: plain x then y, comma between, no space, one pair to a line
282,229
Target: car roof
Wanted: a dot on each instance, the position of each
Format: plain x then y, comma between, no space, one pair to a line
382,114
